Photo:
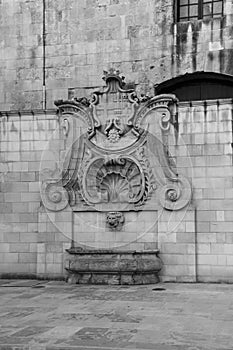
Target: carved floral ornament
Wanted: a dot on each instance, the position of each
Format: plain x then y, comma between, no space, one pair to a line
111,163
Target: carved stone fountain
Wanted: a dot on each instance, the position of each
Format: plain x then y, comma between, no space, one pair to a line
117,175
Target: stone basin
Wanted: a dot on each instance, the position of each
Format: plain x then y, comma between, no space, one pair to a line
112,266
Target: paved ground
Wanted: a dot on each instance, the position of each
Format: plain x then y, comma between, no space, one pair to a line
53,315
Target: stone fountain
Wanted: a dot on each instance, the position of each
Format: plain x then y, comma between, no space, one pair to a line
117,175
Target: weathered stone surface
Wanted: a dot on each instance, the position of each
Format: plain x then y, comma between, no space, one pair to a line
20,204
119,267
55,315
138,37
82,39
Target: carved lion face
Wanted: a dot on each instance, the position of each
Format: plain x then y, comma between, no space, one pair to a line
114,219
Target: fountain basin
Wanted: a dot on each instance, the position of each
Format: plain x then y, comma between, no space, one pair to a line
112,266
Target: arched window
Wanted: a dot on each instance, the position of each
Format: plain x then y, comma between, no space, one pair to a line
198,86
198,9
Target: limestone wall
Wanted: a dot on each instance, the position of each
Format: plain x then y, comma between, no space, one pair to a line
195,243
82,38
22,142
21,55
140,38
202,245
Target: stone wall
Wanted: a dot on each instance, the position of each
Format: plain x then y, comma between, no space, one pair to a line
21,55
85,37
195,243
207,133
23,140
203,152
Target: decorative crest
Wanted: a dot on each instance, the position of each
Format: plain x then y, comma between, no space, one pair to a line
124,156
113,80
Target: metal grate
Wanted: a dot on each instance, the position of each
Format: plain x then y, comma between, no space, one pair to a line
188,10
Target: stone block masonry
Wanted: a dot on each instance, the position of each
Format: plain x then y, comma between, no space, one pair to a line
83,38
212,173
195,245
23,140
141,39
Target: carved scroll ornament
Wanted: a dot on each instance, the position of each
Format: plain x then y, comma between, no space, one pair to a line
54,195
176,194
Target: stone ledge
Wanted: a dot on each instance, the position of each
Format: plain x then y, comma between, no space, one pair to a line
82,251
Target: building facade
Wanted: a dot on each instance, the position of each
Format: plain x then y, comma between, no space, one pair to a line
58,50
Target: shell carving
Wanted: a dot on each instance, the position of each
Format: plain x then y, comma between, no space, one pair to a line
113,180
116,187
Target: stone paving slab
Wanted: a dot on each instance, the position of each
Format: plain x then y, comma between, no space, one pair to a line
42,315
21,283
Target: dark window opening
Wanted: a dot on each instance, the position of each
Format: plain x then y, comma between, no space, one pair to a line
198,86
188,10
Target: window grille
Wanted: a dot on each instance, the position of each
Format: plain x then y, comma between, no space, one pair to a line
188,10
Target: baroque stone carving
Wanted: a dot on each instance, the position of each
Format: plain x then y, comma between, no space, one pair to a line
113,130
118,179
115,220
54,196
172,194
124,155
175,195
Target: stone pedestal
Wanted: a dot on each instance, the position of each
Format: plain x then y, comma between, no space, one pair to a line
112,267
